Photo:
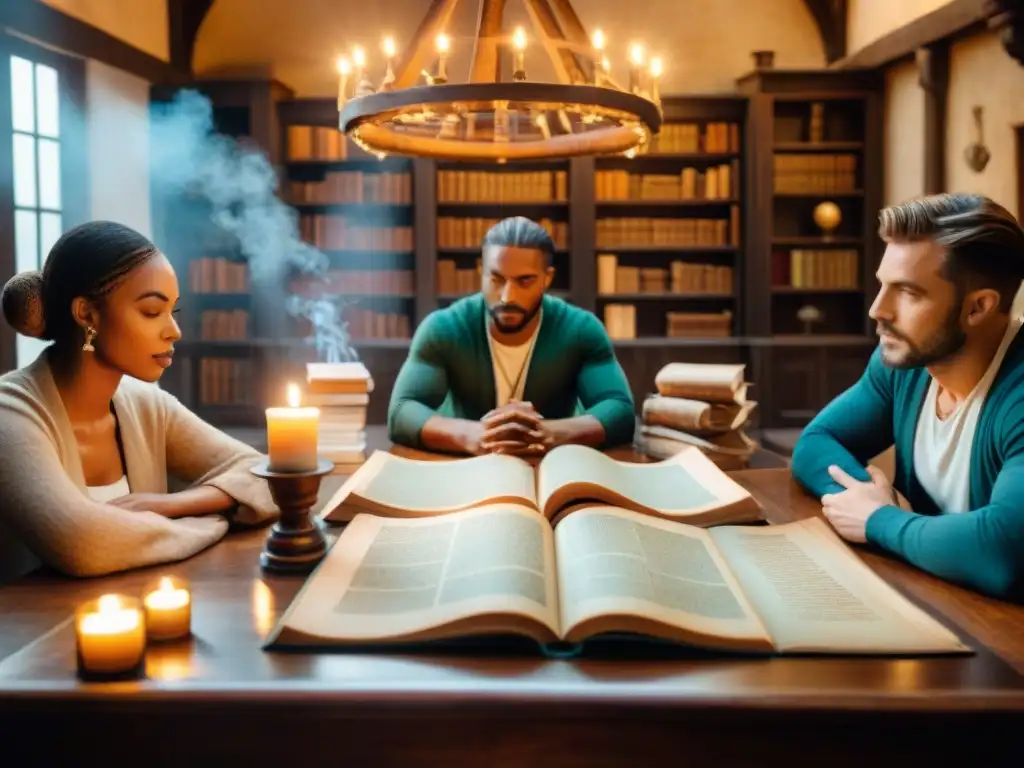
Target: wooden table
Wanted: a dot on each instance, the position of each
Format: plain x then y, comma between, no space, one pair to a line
220,697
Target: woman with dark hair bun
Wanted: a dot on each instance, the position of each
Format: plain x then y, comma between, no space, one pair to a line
87,441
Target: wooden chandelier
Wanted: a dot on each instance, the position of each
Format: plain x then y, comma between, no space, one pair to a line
421,114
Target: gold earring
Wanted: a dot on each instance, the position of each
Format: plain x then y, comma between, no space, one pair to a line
90,334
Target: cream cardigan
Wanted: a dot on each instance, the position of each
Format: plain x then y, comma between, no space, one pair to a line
44,504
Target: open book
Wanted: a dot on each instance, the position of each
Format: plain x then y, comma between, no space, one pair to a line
503,570
687,486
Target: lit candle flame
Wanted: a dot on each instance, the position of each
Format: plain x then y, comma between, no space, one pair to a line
166,585
359,57
344,66
605,64
109,604
389,47
636,53
443,43
599,40
657,66
519,39
294,396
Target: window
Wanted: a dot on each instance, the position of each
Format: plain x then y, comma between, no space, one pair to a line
36,168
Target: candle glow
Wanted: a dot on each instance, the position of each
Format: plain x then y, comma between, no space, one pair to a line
168,611
599,40
110,635
293,435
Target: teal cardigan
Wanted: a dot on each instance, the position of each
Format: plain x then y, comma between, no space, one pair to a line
982,548
449,372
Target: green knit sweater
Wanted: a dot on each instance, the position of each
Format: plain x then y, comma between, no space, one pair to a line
983,548
449,372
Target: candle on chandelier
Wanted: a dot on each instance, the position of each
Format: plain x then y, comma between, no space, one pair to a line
443,43
389,54
519,44
344,69
636,58
600,62
657,70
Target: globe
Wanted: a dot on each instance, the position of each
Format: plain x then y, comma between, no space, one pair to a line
827,216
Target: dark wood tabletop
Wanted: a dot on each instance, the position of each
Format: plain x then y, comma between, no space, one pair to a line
220,695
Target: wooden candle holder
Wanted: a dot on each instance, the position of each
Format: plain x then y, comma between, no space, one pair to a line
296,543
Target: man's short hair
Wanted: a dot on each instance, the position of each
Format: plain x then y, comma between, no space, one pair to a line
984,243
521,232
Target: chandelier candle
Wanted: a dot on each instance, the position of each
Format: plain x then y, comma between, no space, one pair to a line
657,69
519,43
389,53
636,59
344,69
292,436
443,43
601,63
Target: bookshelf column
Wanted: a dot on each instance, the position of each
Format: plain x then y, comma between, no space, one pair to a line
425,236
582,231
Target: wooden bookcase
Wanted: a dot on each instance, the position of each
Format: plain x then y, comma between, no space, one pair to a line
692,222
816,139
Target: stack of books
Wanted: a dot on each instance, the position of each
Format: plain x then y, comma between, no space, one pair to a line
701,405
342,393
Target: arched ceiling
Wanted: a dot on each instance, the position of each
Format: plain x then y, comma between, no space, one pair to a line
706,45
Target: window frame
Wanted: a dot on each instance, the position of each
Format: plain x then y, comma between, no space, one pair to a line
74,157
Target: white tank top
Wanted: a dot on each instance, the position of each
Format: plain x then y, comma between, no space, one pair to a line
105,493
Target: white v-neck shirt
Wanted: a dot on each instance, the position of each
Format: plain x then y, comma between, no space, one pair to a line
513,359
943,447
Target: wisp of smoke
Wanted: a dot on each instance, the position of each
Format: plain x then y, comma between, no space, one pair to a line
240,186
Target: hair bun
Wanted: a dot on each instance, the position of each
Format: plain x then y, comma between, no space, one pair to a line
22,302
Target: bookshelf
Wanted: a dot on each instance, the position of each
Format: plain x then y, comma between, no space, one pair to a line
679,251
817,165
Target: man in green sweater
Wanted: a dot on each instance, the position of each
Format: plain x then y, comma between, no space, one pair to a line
511,369
946,387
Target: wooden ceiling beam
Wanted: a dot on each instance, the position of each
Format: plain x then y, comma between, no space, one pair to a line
184,18
830,18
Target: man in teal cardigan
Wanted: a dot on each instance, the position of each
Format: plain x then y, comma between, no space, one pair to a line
946,386
511,369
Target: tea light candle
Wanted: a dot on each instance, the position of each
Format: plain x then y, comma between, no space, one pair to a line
168,610
292,435
110,634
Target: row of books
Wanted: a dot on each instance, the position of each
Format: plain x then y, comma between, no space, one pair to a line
208,274
335,232
806,268
799,174
507,187
620,322
226,381
452,279
354,187
315,142
720,182
370,324
221,325
678,138
623,232
339,282
681,277
459,232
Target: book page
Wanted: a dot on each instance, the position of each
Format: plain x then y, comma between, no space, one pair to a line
387,578
616,562
814,594
684,485
389,482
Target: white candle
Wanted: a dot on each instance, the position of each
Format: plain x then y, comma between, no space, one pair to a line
389,55
657,69
292,435
519,44
636,57
443,43
168,611
344,68
110,634
600,63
